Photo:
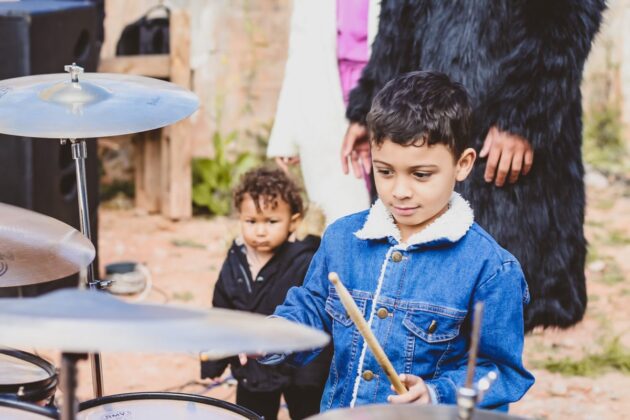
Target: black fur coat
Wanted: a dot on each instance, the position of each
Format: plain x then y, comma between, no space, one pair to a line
521,62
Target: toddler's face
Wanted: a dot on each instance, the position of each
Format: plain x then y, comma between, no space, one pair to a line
268,229
416,183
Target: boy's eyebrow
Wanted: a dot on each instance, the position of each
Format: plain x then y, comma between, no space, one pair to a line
427,166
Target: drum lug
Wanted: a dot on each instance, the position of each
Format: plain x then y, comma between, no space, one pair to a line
21,392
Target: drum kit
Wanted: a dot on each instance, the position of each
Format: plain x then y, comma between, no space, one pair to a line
35,248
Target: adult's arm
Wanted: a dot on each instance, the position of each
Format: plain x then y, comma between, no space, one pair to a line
540,89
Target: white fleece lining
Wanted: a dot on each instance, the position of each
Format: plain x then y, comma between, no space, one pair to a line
452,225
377,293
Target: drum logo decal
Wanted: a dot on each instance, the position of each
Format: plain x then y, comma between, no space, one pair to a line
4,90
153,101
118,415
4,267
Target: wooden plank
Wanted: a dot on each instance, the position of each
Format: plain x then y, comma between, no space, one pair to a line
177,140
148,163
152,65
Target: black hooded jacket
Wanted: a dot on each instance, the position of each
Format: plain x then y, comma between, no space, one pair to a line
236,289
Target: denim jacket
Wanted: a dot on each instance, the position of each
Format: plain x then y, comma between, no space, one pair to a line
417,298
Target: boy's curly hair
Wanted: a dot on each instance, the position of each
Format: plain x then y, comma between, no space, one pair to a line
267,186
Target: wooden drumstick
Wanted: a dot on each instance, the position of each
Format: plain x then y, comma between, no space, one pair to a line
368,336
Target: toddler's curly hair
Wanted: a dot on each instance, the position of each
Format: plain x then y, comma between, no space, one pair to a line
267,186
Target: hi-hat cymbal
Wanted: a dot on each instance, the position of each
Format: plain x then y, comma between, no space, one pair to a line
35,248
408,412
80,321
97,105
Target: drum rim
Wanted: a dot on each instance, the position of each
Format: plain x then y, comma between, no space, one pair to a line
178,396
36,390
23,405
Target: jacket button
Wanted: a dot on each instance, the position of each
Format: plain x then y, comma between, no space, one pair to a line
432,327
397,256
382,313
368,375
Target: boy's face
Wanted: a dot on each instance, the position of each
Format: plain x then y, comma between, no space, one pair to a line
416,183
268,229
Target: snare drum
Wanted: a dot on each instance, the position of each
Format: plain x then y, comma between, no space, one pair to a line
18,410
26,377
161,405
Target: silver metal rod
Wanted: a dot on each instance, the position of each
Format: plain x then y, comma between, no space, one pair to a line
475,337
68,385
79,154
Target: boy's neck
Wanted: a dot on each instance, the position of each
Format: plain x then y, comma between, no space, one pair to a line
257,260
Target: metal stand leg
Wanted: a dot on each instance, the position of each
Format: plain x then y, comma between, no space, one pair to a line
68,385
79,154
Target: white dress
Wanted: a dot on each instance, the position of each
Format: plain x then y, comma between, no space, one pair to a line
310,118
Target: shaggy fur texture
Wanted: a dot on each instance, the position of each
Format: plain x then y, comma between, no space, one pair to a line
521,62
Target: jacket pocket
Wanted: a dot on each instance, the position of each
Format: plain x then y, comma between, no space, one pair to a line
336,310
432,327
432,334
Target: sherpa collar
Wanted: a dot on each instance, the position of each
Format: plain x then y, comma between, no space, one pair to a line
450,226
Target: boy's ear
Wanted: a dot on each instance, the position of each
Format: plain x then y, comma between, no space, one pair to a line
295,220
465,164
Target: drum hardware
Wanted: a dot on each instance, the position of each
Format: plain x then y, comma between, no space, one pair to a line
20,410
155,405
98,105
82,321
26,377
471,394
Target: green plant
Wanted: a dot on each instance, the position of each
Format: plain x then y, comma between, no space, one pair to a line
214,178
613,356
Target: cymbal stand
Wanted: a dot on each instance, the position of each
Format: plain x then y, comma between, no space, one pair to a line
79,154
471,394
68,384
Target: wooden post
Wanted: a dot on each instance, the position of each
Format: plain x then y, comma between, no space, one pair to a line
148,163
176,142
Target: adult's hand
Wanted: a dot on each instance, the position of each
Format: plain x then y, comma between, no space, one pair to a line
508,154
356,146
285,161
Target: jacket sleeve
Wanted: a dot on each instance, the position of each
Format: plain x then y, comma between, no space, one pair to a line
306,304
390,55
500,347
283,139
541,75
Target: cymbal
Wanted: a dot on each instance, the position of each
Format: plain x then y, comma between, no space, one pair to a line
408,412
97,105
35,248
73,320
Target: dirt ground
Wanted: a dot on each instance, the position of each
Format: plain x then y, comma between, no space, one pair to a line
184,259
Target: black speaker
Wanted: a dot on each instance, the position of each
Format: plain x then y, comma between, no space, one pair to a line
40,37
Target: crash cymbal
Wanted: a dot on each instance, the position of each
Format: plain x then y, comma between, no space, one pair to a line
77,321
35,248
408,412
97,105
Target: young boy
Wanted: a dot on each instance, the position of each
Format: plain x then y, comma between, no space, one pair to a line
416,263
255,277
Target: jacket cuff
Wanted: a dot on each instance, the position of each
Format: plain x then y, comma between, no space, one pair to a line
442,391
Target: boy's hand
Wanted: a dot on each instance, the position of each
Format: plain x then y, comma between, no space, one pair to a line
285,161
417,391
508,154
356,146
